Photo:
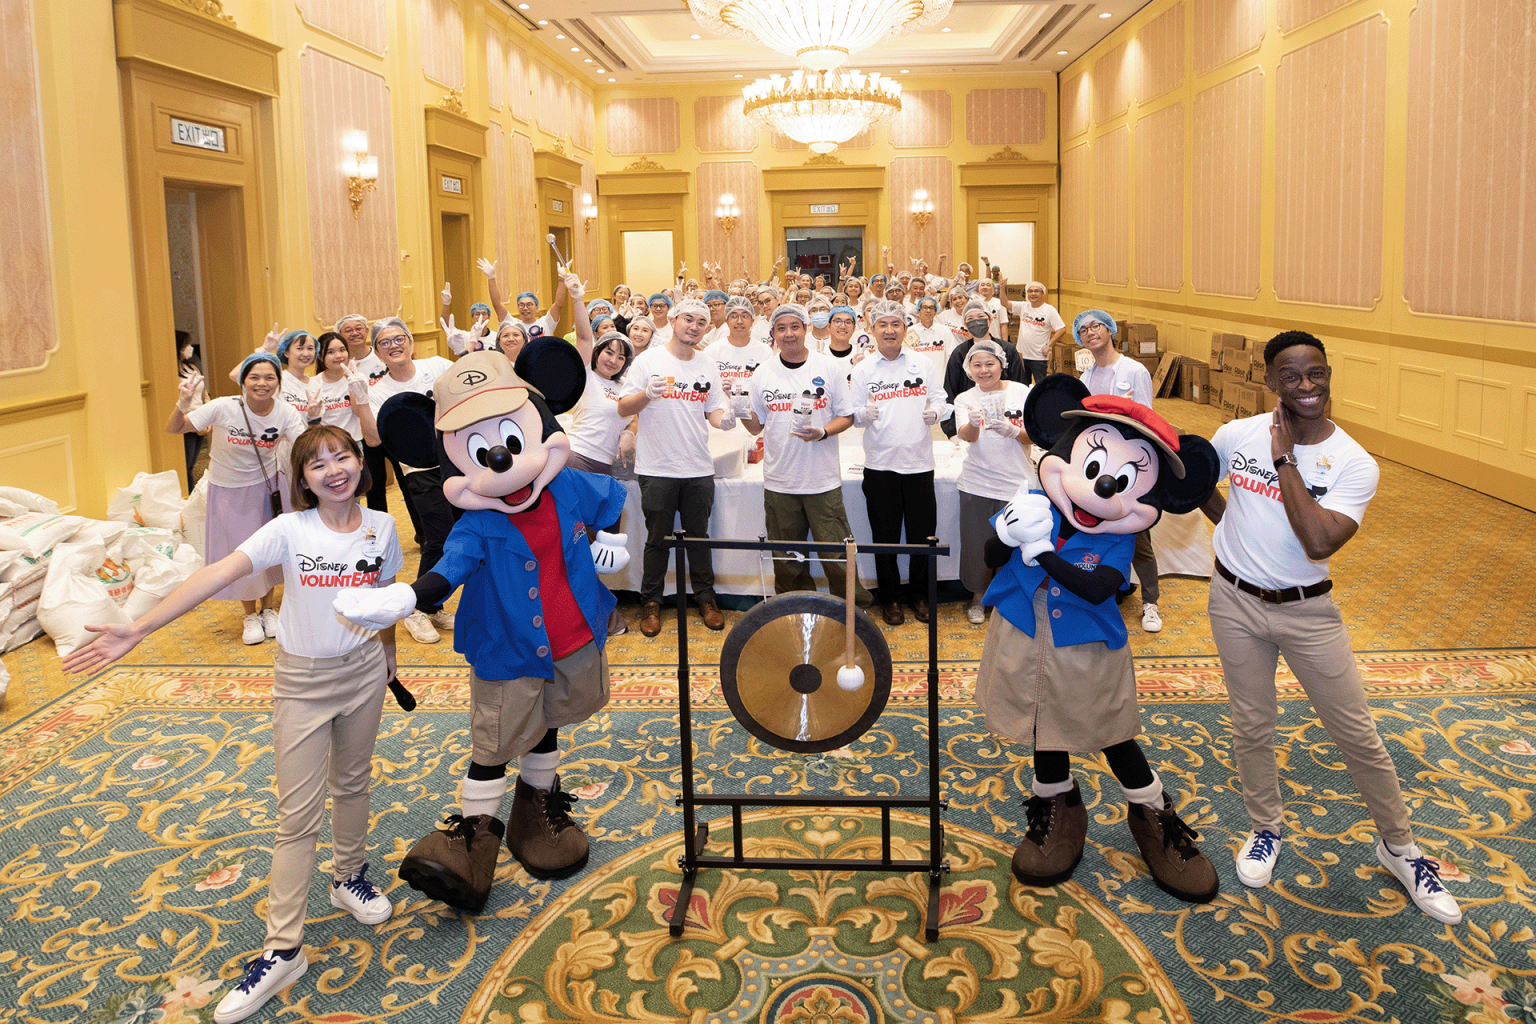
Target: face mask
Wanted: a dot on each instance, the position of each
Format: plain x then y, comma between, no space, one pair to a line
186,353
820,319
978,328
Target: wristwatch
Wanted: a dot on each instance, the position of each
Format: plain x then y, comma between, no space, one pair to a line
1287,459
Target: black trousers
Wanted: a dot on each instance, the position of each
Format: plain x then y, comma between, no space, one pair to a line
1034,371
375,460
690,499
896,500
424,497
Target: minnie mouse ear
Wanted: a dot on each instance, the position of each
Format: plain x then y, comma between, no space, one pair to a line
406,431
1202,467
554,367
1047,400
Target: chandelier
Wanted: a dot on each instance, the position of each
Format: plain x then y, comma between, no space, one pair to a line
820,34
819,109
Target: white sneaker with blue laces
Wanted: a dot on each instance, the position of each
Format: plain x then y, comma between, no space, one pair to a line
1256,858
265,977
1421,877
362,899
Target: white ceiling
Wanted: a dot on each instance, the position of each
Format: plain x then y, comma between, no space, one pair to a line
647,41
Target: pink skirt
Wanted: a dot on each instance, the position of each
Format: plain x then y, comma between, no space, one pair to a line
234,514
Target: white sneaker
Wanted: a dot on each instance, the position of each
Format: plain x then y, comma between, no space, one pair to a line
362,899
269,622
1150,620
420,627
1256,858
253,633
442,618
265,977
975,614
1421,877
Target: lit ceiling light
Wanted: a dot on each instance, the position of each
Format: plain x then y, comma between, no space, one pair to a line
1106,14
735,76
694,36
601,71
586,60
613,79
944,30
820,109
522,7
559,36
904,71
543,22
823,35
1061,53
575,49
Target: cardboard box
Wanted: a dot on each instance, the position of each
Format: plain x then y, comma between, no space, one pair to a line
1063,358
1256,369
1233,380
1213,391
1229,396
1165,380
1150,362
1237,361
1249,402
1232,341
1216,351
1194,380
1141,339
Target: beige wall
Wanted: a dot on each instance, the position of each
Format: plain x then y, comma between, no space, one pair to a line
1345,168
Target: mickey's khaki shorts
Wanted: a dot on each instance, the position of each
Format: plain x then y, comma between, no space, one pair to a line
508,717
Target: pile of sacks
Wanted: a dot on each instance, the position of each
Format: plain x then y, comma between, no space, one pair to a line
60,573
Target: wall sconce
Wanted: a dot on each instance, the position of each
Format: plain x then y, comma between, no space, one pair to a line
362,170
921,207
588,212
727,211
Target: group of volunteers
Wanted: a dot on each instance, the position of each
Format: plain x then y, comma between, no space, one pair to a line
797,360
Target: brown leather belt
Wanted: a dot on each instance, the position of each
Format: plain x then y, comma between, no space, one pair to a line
1273,596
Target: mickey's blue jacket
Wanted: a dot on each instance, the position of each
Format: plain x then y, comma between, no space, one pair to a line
500,622
1073,620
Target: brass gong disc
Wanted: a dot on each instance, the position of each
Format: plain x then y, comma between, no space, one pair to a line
778,671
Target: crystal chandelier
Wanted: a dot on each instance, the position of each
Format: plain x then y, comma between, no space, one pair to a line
821,110
820,34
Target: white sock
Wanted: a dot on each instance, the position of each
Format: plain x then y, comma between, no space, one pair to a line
1151,795
1396,850
1046,790
538,770
482,796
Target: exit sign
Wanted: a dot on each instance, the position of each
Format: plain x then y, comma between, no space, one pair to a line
823,207
198,136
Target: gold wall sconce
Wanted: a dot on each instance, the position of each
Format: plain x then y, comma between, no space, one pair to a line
588,212
921,208
362,170
726,212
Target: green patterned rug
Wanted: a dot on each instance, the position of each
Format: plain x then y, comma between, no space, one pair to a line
137,815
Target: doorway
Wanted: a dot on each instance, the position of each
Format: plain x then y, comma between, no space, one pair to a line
1010,246
455,229
647,257
825,250
204,226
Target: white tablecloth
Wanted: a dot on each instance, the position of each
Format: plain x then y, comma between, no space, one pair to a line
1182,542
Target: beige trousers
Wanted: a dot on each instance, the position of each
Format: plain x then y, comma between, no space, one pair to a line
1250,635
324,723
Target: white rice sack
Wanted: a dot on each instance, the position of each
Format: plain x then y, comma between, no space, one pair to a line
36,532
194,515
23,602
76,595
30,501
24,633
153,499
153,579
105,530
5,681
188,558
143,543
10,509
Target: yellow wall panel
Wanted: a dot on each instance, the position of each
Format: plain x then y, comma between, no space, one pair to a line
1112,207
1076,200
1111,84
720,127
1225,30
1160,54
925,120
442,42
738,248
1296,13
643,125
360,22
1358,380
908,242
1228,169
26,299
1003,117
1076,105
1159,173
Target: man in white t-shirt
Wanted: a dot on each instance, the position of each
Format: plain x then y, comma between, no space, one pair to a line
423,488
737,353
528,313
353,329
661,310
1040,326
1115,374
933,341
1299,487
675,390
897,399
764,302
799,402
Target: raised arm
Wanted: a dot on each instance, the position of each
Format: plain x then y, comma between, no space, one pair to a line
497,303
584,340
1322,531
186,394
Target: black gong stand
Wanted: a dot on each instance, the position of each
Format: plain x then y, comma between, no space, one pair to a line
696,833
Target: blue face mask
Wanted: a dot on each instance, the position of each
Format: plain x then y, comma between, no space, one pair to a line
820,319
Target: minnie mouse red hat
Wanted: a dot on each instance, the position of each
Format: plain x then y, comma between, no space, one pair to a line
1139,418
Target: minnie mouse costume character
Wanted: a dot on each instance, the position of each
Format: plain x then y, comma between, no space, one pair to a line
533,618
1056,671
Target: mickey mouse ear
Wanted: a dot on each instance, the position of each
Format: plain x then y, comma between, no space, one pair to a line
406,430
554,367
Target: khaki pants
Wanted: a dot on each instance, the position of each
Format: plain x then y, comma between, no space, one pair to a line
1310,633
791,517
508,717
325,719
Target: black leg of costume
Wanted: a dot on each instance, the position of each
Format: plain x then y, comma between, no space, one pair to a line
1052,766
483,772
549,744
1129,765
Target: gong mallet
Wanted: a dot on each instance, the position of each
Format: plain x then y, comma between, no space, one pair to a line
849,675
559,260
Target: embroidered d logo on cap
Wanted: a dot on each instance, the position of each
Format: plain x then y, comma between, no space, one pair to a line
480,385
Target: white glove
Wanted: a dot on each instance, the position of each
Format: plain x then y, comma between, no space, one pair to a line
477,335
975,417
930,415
727,419
458,340
809,434
375,608
487,268
191,387
655,387
1025,523
609,553
357,384
869,415
312,399
1003,428
269,343
447,292
626,448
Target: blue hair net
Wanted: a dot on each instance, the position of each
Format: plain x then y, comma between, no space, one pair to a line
930,300
259,357
527,295
658,297
479,307
846,309
1092,314
715,295
289,339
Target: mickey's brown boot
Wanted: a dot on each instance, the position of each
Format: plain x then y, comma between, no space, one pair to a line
457,863
541,834
1168,846
1053,841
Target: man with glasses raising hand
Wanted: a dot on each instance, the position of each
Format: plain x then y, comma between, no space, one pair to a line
1299,489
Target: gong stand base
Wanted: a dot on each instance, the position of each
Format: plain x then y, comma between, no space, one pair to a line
696,832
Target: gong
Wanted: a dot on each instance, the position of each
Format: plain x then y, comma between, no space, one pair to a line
778,671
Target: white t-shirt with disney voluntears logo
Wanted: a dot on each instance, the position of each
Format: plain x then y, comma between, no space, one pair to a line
1036,325
541,326
231,455
336,407
933,344
386,387
790,465
674,433
372,367
595,422
737,364
1254,538
317,562
994,465
295,391
899,441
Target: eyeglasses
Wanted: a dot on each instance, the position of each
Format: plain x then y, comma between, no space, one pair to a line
1317,375
395,342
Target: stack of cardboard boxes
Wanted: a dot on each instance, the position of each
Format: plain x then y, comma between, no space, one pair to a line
1238,389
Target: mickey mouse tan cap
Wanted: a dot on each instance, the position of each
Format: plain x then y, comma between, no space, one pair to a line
480,385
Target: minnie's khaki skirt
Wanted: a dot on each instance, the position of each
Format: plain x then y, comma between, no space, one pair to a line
1081,697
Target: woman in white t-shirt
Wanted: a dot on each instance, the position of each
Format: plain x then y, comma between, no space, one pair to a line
341,387
296,351
243,474
328,682
641,330
990,418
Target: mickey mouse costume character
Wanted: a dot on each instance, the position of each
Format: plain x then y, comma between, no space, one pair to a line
533,618
1056,671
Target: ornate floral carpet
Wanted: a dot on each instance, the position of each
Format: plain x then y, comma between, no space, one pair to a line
137,814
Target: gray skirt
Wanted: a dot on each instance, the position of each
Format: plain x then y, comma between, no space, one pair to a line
234,514
1081,697
975,529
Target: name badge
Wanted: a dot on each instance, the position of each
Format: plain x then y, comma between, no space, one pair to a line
373,544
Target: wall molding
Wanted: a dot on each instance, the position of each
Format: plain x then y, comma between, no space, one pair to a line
36,408
162,35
